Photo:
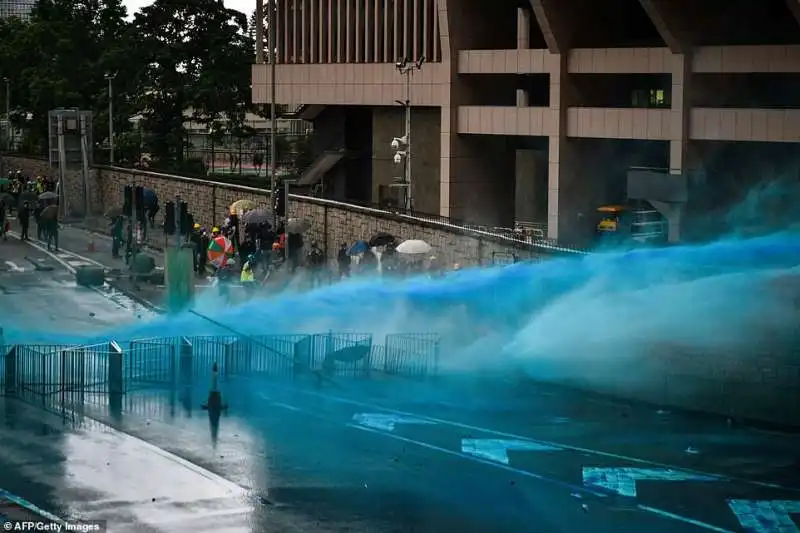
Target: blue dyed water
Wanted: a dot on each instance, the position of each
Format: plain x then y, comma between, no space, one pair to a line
715,296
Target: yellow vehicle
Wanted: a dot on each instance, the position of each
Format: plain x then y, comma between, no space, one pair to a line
640,223
611,218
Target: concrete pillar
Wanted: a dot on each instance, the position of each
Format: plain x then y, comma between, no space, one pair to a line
681,69
530,186
523,43
794,7
523,28
669,20
560,173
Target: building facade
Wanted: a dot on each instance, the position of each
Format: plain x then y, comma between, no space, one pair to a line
16,8
537,110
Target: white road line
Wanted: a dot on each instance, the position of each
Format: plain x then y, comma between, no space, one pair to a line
13,267
497,449
384,421
623,480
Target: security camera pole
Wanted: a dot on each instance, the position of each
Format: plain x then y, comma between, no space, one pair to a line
110,78
402,145
273,162
9,130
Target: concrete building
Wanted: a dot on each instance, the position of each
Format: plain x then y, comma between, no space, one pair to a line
16,8
533,110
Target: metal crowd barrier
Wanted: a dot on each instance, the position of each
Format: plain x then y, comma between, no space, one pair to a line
64,377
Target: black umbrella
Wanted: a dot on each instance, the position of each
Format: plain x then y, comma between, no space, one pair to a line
381,239
27,196
113,212
49,213
256,217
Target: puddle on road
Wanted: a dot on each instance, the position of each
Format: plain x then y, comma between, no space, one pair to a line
123,301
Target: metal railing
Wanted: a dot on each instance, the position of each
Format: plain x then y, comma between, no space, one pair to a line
70,378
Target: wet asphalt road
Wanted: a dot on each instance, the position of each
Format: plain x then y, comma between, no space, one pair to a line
380,456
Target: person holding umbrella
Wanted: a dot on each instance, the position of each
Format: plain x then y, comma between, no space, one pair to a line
220,252
3,230
49,219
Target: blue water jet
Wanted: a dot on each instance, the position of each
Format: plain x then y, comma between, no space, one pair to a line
726,295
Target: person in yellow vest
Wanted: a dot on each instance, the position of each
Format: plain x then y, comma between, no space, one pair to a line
247,277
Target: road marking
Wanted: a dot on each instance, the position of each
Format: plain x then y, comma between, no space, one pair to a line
13,267
525,473
452,453
497,449
570,447
765,516
623,480
386,422
684,519
73,260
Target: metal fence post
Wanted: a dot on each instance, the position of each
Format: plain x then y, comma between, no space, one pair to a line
185,360
116,380
11,372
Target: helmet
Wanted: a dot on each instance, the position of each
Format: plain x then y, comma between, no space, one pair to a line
215,230
197,226
251,257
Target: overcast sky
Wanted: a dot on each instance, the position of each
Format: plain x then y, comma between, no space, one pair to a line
245,6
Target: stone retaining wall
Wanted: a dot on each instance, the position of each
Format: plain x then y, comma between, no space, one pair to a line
332,223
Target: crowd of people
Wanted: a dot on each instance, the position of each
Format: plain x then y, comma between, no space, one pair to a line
249,250
26,197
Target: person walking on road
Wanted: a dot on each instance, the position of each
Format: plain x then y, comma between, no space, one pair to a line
24,217
52,233
3,222
117,229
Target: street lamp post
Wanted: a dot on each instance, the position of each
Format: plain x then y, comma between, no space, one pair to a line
110,78
273,163
402,145
9,130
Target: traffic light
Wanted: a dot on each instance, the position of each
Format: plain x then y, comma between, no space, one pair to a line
169,218
127,201
185,218
280,200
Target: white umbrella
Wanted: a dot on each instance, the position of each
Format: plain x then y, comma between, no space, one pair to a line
413,247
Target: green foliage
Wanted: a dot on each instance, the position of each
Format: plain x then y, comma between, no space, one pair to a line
173,60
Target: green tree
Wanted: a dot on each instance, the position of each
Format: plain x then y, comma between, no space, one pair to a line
59,56
198,57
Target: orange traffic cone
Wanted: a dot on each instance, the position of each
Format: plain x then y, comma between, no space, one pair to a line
91,247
